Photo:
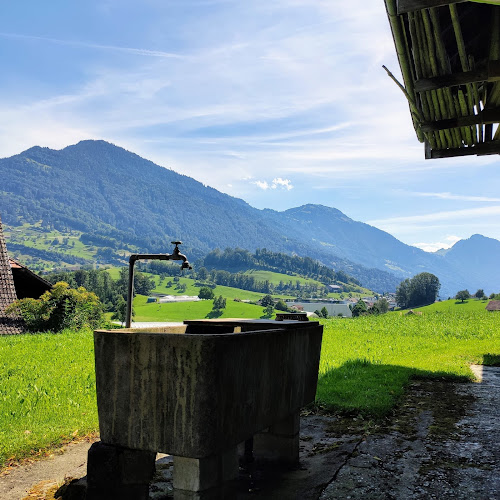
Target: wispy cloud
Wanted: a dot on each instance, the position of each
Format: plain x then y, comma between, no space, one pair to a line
459,197
285,97
440,216
88,45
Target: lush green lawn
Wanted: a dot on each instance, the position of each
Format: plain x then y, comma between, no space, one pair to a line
367,361
47,391
193,310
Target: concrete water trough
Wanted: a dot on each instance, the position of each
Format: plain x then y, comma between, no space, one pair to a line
199,390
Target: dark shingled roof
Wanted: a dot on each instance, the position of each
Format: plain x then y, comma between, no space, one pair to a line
493,305
9,325
449,54
26,282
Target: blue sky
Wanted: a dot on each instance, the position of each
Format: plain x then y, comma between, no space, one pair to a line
280,103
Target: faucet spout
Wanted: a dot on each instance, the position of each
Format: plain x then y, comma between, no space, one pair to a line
175,255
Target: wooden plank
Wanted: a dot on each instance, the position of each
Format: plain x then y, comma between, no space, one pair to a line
405,6
489,148
484,117
486,74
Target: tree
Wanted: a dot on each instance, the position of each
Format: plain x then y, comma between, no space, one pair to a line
219,303
359,309
59,308
403,294
143,284
420,290
479,294
206,293
462,295
281,305
381,306
121,310
267,300
324,312
202,274
268,311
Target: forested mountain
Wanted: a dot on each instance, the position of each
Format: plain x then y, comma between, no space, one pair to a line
118,200
238,259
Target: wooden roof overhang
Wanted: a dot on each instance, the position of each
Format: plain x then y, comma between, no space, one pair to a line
449,54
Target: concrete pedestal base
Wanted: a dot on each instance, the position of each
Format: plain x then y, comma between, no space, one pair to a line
118,472
199,474
281,441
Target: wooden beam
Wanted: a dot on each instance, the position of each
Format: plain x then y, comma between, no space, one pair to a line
491,148
488,74
405,6
488,148
483,117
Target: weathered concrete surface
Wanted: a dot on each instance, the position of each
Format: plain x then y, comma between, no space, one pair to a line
194,395
443,443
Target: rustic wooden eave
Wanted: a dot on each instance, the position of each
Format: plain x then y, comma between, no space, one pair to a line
449,55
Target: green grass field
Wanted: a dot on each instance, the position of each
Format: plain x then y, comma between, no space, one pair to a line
193,310
453,305
275,278
47,391
47,382
366,362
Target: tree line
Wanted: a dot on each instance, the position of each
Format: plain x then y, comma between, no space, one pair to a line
238,259
112,293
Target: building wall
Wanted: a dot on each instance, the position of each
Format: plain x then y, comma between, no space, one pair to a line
333,309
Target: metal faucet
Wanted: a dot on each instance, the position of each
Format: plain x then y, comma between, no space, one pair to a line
175,255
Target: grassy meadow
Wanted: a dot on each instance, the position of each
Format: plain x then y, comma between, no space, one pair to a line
366,362
47,391
47,382
180,311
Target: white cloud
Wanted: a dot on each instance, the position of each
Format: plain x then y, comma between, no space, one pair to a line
448,242
282,183
277,183
262,184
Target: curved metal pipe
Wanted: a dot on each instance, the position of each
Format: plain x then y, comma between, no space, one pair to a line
175,255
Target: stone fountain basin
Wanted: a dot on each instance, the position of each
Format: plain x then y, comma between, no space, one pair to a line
199,389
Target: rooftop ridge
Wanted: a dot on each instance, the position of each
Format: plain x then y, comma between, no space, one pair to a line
9,324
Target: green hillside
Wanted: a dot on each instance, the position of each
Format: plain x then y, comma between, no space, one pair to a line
180,311
453,306
93,188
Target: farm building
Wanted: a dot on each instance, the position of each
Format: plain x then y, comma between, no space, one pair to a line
449,55
333,309
26,282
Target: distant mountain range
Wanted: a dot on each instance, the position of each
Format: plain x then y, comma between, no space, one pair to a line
116,198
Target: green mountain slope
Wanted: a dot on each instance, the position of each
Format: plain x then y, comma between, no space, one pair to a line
118,202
